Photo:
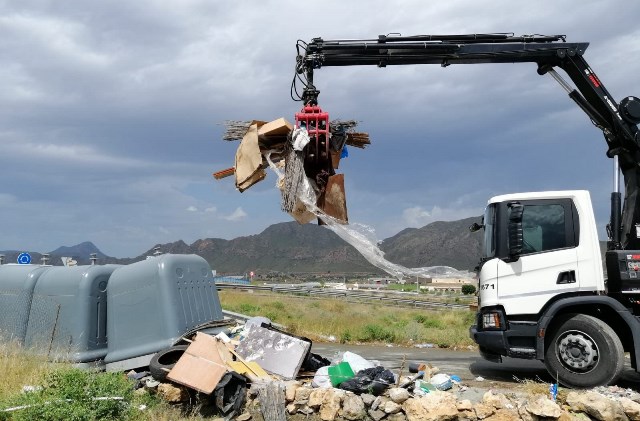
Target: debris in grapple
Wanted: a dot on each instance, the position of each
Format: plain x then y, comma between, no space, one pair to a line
310,151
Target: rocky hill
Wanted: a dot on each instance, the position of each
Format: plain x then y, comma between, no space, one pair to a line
292,248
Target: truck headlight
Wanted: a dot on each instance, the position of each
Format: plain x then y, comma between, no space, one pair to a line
491,320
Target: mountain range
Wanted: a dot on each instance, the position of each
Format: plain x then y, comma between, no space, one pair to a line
292,248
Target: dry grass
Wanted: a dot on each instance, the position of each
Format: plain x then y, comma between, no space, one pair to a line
354,322
19,368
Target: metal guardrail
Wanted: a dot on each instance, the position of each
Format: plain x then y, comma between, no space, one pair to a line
304,290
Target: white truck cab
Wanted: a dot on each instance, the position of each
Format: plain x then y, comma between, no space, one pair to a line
542,291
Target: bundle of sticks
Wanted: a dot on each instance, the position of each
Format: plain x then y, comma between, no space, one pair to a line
236,129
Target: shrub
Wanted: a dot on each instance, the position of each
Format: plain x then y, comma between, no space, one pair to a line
71,394
345,337
374,332
420,318
278,305
468,289
248,308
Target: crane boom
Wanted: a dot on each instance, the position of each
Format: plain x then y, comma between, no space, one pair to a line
618,122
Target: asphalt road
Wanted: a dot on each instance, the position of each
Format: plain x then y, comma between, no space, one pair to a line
468,365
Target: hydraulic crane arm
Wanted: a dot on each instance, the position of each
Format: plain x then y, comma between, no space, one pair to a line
618,122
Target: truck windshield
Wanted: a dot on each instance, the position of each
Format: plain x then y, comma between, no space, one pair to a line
489,246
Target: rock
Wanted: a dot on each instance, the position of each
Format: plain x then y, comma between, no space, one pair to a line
630,408
398,394
353,408
245,416
173,393
377,401
253,391
390,407
567,416
497,400
302,394
436,406
397,417
484,411
413,409
597,406
504,415
290,388
367,399
464,405
331,403
467,416
376,414
543,407
526,415
306,410
315,398
292,408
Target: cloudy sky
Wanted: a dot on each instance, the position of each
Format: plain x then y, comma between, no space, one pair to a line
111,114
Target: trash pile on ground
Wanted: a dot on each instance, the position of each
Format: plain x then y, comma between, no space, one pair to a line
260,372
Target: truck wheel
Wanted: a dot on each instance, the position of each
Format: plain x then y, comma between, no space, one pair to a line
584,352
163,361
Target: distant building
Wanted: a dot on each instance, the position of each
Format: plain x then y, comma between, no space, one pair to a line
383,281
232,279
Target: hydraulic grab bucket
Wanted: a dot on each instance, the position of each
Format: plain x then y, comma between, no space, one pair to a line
318,164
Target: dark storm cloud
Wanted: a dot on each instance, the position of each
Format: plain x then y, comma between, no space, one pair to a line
112,111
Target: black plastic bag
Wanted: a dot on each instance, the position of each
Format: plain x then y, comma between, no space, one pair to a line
230,395
370,380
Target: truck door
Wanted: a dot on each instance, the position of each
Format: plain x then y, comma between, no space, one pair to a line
548,263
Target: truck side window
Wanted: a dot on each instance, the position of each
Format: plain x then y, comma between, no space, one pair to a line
543,228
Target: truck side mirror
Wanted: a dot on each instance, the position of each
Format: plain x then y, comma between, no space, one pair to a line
475,227
515,230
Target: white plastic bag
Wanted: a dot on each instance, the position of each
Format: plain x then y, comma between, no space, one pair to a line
321,378
356,362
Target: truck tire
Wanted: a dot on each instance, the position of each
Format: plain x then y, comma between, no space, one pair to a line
163,361
584,352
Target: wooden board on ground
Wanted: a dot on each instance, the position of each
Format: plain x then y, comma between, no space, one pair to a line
200,367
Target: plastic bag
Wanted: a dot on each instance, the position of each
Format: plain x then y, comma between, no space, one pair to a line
321,378
371,380
441,382
356,362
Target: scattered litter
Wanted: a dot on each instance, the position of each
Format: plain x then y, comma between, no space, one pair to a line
340,372
321,378
372,380
417,367
553,391
152,383
441,382
29,389
257,321
201,366
356,362
223,337
422,387
424,345
479,379
455,379
275,351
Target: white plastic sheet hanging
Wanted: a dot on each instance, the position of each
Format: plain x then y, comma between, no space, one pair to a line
363,238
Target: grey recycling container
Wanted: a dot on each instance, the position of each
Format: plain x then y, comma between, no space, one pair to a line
154,302
16,292
67,319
